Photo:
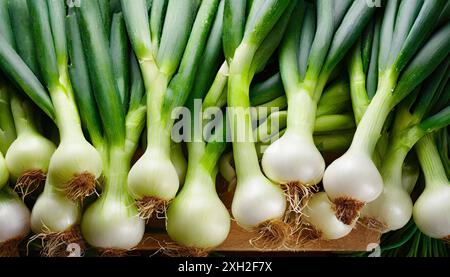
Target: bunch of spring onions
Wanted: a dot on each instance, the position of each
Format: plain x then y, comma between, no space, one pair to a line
112,112
318,37
414,118
411,42
14,215
169,49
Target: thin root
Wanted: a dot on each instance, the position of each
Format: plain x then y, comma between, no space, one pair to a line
347,209
81,186
111,252
447,239
271,235
171,249
59,244
10,248
29,182
149,205
298,195
373,224
307,233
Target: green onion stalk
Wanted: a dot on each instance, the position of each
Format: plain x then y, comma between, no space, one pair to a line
258,203
7,133
197,219
432,205
393,209
29,156
317,39
411,45
76,164
14,215
332,130
50,41
169,49
111,94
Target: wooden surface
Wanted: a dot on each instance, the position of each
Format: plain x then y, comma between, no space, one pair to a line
239,240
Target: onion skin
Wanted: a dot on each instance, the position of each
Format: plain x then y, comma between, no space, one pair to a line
72,158
257,201
197,218
53,212
392,209
293,158
14,217
354,175
27,153
4,173
110,224
320,214
155,176
431,211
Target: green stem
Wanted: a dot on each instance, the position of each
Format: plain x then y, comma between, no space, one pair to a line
371,125
116,177
7,130
360,99
302,113
245,155
67,117
22,115
431,162
158,135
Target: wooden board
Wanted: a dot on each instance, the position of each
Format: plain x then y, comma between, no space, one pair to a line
360,239
239,241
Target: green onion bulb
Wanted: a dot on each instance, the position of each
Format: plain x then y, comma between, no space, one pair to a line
257,201
319,213
75,164
54,212
431,211
392,209
112,222
197,218
153,175
29,152
14,217
432,208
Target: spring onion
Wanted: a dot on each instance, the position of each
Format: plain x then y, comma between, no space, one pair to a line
258,203
168,78
409,50
14,222
197,219
309,54
112,92
432,206
393,208
29,155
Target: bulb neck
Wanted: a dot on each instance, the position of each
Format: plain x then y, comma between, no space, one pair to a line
431,163
115,179
369,130
67,117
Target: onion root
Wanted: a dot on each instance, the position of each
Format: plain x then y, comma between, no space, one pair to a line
149,205
80,186
347,209
29,182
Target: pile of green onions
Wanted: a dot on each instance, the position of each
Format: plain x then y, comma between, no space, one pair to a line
113,112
